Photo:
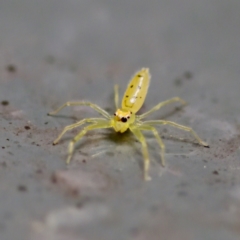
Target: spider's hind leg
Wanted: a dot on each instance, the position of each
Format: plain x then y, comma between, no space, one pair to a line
188,129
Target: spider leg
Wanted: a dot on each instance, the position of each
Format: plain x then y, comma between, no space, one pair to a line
116,95
101,123
161,104
188,129
69,127
83,103
135,130
160,142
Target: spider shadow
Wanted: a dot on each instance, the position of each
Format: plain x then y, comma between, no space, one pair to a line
110,138
168,114
74,118
122,138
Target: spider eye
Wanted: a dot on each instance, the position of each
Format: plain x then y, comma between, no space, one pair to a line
114,114
123,119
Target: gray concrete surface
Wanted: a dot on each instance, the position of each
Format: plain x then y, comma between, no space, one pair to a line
55,51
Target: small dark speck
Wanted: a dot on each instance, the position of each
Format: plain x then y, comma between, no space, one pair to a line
215,172
3,147
205,161
127,96
11,68
74,192
84,161
131,86
154,208
188,75
54,178
27,127
5,103
110,154
22,188
79,204
46,123
50,59
165,130
134,231
182,193
7,139
39,171
182,184
214,100
178,82
3,164
139,75
108,109
85,200
73,68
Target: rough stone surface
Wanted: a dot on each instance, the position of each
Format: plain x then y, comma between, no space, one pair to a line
55,51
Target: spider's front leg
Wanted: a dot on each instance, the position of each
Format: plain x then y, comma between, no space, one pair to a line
116,95
72,126
82,103
146,127
100,123
142,140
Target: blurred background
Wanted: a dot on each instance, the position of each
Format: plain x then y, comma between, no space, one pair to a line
55,51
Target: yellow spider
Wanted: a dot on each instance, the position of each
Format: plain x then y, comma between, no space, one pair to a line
125,118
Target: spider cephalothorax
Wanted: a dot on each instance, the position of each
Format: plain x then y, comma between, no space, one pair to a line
122,119
125,118
122,116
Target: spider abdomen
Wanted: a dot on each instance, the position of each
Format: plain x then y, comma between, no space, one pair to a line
136,91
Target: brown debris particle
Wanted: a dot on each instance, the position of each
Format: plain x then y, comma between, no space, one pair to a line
188,75
11,68
5,103
22,188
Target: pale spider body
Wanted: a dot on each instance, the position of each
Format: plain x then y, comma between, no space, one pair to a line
125,118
